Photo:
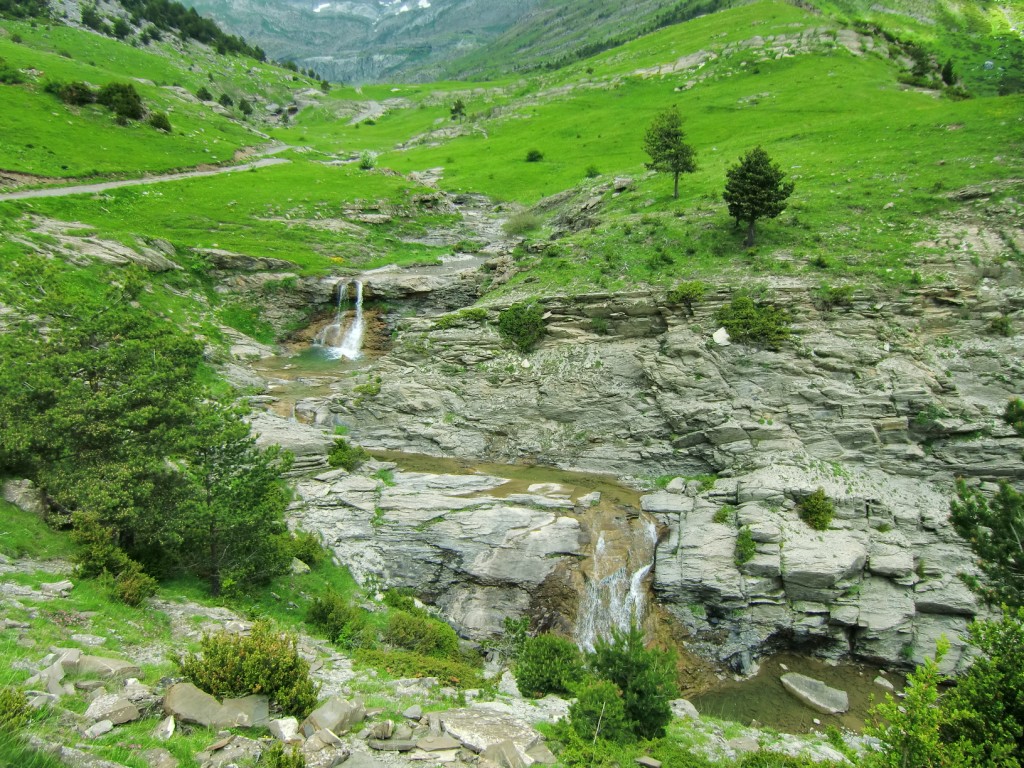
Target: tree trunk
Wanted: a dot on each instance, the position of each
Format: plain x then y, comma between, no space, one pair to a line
675,192
750,233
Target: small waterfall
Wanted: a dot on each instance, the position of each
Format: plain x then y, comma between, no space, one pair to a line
338,340
616,590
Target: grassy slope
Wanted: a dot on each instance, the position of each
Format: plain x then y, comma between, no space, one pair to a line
46,137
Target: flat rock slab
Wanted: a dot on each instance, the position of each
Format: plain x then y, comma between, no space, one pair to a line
438,743
100,666
815,694
362,760
392,745
113,707
479,729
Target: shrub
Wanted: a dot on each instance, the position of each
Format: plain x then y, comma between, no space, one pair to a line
409,664
764,325
160,121
203,94
75,93
827,297
245,107
521,223
724,514
133,585
346,455
366,161
276,757
122,99
592,172
522,324
402,600
307,547
338,619
10,75
687,293
13,709
534,156
226,101
645,676
745,546
267,661
817,510
422,635
1014,415
547,664
1000,326
600,712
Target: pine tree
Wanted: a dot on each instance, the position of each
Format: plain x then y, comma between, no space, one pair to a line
995,531
754,190
666,143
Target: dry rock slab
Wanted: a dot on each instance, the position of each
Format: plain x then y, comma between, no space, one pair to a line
815,694
335,715
479,729
159,758
506,755
188,704
96,730
391,745
438,743
102,667
113,707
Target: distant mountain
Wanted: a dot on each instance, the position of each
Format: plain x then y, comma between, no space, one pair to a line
361,41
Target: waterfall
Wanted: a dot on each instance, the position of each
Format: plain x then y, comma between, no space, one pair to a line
616,592
337,340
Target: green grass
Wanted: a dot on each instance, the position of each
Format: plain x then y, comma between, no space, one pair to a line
23,534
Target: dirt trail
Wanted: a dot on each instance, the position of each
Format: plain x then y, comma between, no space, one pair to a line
83,189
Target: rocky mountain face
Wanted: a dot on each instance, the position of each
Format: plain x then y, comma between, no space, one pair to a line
881,404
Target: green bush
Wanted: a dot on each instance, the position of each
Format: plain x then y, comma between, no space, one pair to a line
409,664
1000,326
122,99
75,93
307,547
521,223
226,101
817,510
452,319
745,546
421,634
600,712
547,664
160,121
366,161
346,455
276,757
10,75
534,156
724,514
764,325
687,293
13,709
403,600
133,585
522,324
646,677
828,297
266,661
338,619
203,94
1014,415
592,172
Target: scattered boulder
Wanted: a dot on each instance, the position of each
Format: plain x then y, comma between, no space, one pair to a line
285,729
648,762
335,715
97,729
438,743
102,667
164,729
188,704
415,712
815,694
245,712
113,707
232,750
391,745
507,755
684,710
25,496
57,588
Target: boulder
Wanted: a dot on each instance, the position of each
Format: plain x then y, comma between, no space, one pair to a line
57,588
438,743
479,729
363,760
188,704
98,729
113,707
391,745
815,694
25,496
285,729
164,729
245,712
102,667
507,755
335,715
231,751
684,709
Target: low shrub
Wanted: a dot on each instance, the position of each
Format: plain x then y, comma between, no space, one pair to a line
276,757
366,161
203,94
346,455
687,293
75,93
592,172
828,297
1000,326
401,663
745,546
266,661
10,75
548,664
122,99
724,514
338,619
534,156
307,547
1014,415
522,324
160,121
761,324
403,600
421,634
521,223
600,712
13,709
133,585
226,101
817,510
453,319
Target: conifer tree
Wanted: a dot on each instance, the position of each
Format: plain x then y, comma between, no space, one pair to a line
666,143
754,190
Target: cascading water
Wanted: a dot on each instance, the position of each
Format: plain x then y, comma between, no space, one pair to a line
616,590
336,339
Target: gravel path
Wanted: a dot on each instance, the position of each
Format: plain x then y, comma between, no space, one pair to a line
84,189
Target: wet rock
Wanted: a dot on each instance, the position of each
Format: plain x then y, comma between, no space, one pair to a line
815,694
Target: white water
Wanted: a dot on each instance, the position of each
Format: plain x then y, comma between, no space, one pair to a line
618,597
338,340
